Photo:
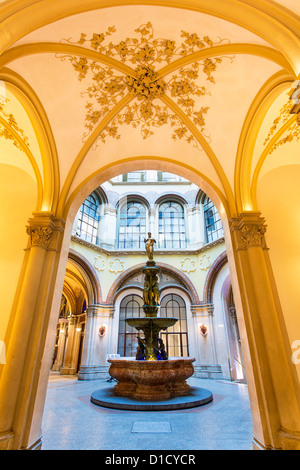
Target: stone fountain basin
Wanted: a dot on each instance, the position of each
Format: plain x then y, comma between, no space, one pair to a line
160,322
151,380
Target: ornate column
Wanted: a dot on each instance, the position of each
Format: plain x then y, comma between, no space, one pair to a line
153,223
206,356
271,375
196,232
96,342
60,347
234,345
20,426
107,228
68,365
87,367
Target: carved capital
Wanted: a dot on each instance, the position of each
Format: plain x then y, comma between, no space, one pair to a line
39,236
249,230
41,229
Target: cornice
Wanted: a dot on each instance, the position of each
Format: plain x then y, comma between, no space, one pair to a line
98,249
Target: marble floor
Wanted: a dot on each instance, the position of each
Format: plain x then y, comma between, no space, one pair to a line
72,422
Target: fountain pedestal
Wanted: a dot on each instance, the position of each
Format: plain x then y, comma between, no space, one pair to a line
151,380
151,376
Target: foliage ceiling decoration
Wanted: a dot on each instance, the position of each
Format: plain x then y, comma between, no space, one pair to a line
145,85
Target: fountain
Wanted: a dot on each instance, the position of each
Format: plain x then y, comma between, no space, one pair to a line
151,377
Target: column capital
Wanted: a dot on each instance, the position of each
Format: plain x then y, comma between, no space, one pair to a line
249,230
42,227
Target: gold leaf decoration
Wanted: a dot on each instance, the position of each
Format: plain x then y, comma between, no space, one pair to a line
293,131
11,123
145,84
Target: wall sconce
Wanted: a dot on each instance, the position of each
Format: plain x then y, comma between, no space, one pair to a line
102,331
203,330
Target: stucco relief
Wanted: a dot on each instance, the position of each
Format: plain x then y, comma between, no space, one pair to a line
205,262
151,93
116,266
99,263
188,265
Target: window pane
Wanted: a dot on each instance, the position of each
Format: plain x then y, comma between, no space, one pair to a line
213,225
88,219
130,307
171,226
132,225
175,337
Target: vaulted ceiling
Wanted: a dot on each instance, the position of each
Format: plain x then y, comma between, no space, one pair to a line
176,85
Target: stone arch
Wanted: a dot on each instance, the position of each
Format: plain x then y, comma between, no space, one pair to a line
90,276
188,285
212,274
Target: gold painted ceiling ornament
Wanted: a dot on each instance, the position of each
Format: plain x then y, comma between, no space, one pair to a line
141,55
292,132
9,128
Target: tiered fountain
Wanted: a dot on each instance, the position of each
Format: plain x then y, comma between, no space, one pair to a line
151,376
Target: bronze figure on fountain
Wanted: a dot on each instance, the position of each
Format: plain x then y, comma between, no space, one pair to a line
151,347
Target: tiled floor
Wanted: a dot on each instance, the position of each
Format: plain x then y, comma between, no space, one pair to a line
72,422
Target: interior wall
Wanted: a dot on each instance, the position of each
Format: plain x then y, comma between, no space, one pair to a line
18,197
278,199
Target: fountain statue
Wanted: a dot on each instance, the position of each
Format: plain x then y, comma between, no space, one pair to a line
151,380
152,375
151,348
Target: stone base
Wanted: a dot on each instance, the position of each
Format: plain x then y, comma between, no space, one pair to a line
92,372
106,398
67,371
208,371
151,380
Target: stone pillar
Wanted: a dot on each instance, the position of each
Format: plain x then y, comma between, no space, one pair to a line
87,366
153,223
234,346
68,367
271,375
96,343
206,365
108,228
20,426
195,225
60,347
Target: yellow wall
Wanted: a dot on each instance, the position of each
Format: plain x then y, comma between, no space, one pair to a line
17,200
279,202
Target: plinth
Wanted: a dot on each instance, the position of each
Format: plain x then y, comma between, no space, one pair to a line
151,380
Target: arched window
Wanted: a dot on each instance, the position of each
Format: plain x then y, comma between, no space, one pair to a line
88,220
213,224
171,226
130,307
175,338
132,229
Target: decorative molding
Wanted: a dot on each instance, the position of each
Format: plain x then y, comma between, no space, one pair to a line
116,266
249,230
252,235
285,122
9,128
144,84
99,249
188,265
39,236
42,228
205,262
99,263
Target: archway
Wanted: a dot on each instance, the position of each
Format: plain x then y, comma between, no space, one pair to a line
233,188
